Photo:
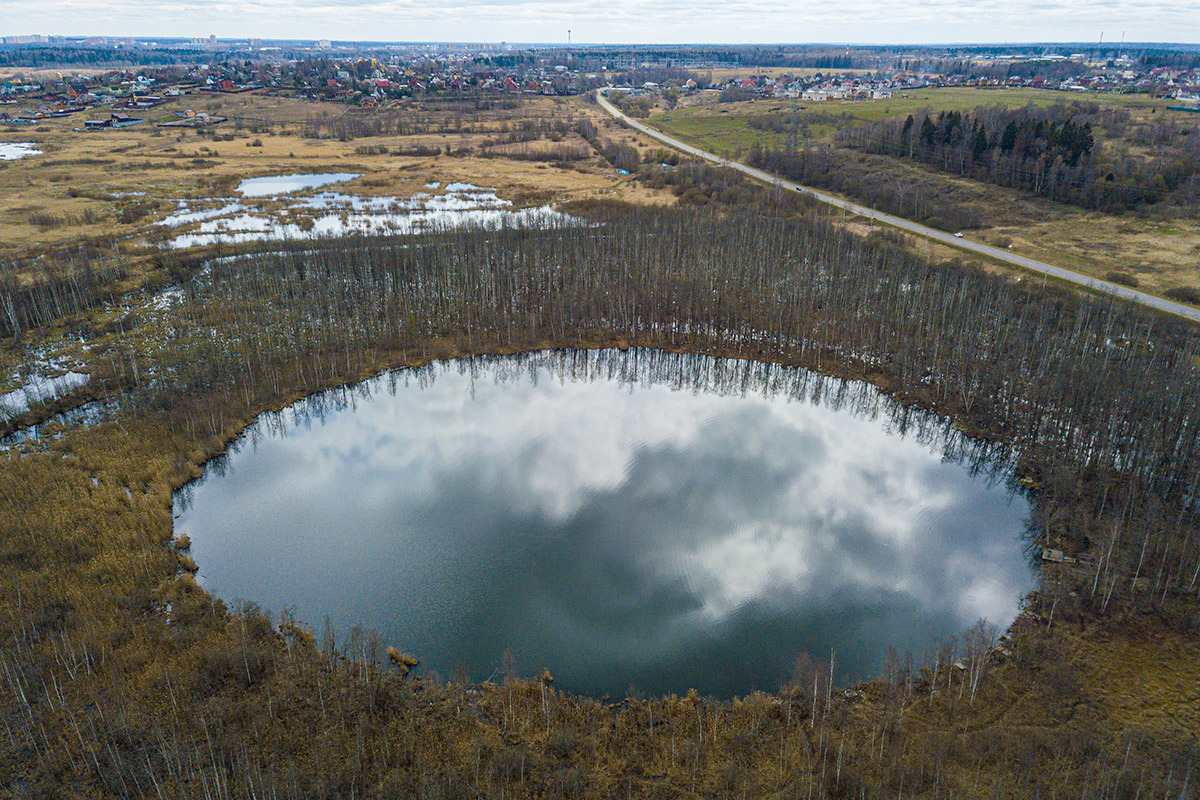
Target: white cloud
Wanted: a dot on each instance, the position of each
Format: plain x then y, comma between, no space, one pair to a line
621,21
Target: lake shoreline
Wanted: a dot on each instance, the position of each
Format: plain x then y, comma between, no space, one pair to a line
853,498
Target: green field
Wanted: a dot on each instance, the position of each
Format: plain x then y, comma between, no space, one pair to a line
724,127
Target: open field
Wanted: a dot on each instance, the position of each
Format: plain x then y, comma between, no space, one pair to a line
723,127
117,183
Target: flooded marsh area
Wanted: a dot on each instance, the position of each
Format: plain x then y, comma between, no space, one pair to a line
287,207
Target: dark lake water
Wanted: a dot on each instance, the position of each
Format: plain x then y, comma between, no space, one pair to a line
629,519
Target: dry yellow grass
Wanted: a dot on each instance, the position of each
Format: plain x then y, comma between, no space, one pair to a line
1159,254
85,183
1148,679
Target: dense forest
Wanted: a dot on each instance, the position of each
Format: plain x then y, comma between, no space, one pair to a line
748,56
1055,152
58,56
119,676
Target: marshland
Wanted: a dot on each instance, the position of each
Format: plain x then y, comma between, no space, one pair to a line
124,675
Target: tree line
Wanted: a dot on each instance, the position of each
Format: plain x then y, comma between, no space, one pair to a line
923,198
1053,152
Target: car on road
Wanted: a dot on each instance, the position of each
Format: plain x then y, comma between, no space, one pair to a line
958,235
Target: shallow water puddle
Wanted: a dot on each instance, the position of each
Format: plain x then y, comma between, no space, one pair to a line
12,151
275,185
38,388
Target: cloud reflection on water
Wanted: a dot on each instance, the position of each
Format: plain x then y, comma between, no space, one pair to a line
647,533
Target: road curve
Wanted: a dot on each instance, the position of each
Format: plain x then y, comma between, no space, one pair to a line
1086,281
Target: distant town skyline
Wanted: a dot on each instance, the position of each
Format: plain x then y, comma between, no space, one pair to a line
618,22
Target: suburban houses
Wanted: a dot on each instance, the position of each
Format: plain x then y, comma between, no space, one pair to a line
331,72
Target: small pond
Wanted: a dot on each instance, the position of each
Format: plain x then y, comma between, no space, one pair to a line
636,518
274,185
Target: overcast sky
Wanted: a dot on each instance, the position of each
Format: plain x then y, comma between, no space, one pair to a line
617,21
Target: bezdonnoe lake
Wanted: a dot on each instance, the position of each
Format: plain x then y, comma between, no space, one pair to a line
638,518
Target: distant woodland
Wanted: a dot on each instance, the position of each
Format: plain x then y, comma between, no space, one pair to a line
1079,154
1051,152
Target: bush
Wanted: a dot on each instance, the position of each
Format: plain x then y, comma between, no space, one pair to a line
134,211
52,616
563,742
1184,294
621,156
46,221
90,216
559,154
418,151
638,107
1123,278
735,94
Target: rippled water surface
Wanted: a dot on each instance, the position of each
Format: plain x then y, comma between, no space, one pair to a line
625,519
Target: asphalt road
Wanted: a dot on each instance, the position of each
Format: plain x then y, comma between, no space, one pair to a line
1086,281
